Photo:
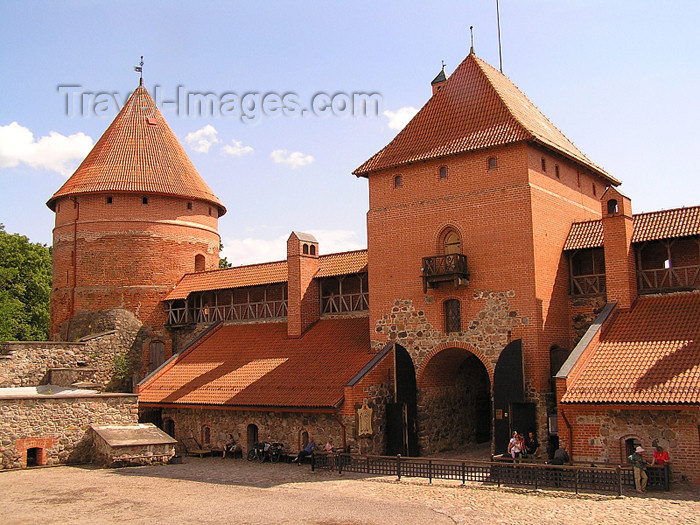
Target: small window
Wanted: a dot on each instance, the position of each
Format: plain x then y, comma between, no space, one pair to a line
492,163
578,179
544,165
398,181
556,171
58,207
209,210
612,207
312,250
199,263
452,243
443,172
109,200
206,435
594,190
189,205
144,200
305,249
453,316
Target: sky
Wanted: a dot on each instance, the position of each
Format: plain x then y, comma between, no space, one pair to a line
620,79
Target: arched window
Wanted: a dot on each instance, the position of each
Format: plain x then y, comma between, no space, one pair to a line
312,250
305,249
199,263
398,181
452,243
453,316
612,207
492,163
443,172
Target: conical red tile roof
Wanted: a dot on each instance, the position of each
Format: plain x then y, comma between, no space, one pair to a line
477,107
138,153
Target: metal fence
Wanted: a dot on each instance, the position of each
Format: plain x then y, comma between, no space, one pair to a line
536,475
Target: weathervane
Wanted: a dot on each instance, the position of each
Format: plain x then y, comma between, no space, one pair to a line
139,69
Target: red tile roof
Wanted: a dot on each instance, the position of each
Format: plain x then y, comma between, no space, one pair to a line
138,153
266,273
649,355
477,107
651,226
257,365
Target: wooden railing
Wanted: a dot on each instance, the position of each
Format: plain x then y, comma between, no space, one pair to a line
675,278
588,284
442,268
347,302
226,312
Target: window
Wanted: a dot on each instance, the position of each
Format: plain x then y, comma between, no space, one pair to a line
443,172
144,200
594,190
578,179
312,250
206,435
492,163
544,165
109,200
398,181
453,317
556,171
612,207
452,243
210,210
305,249
189,205
199,263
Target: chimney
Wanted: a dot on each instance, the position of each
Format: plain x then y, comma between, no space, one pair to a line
302,291
439,80
620,265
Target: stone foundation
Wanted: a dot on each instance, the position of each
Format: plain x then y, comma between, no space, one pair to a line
57,426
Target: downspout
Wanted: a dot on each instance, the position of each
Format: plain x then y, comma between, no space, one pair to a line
571,435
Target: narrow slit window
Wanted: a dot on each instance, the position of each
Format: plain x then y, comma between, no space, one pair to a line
492,163
144,200
109,200
398,181
443,172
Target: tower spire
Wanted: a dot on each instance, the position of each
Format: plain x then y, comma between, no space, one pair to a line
139,69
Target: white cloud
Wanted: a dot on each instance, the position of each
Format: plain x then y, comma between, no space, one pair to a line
296,159
202,139
236,149
250,250
54,152
399,118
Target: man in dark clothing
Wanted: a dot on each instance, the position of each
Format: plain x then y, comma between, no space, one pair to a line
561,456
532,446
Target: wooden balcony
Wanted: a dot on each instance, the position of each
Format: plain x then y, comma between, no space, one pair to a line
666,279
593,284
445,268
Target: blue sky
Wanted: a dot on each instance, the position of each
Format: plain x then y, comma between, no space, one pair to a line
620,79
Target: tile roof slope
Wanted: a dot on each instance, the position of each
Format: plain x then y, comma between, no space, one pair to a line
257,365
343,263
649,355
477,107
651,226
134,156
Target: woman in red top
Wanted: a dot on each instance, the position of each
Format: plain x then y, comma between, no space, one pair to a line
660,456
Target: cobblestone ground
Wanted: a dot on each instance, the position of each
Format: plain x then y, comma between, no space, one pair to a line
232,491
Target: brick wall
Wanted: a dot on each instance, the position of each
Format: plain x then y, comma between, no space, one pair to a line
126,254
58,426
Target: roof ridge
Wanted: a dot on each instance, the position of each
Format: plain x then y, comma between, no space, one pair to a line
342,253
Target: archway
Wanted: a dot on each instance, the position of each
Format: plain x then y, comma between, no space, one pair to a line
455,399
401,428
251,436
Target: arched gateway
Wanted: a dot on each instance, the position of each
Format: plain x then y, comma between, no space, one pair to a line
454,393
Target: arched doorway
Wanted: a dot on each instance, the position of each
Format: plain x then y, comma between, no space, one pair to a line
455,398
251,436
401,427
169,427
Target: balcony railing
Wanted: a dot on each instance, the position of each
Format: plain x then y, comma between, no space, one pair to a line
676,278
592,284
445,268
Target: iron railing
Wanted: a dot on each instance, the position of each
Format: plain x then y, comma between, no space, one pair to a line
536,475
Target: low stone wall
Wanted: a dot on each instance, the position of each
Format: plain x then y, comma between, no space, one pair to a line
284,427
58,426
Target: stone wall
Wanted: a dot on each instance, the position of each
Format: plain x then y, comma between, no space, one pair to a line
599,436
285,427
583,311
111,343
58,426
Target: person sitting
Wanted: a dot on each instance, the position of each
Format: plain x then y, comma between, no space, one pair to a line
308,450
560,457
329,446
229,446
532,446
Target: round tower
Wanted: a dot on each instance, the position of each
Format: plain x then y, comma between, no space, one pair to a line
131,221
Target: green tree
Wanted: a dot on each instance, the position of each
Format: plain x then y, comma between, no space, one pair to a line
25,286
223,262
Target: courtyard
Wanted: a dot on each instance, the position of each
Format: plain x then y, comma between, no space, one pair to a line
209,490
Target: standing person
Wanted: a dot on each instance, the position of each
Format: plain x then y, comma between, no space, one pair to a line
661,456
532,446
639,466
515,446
